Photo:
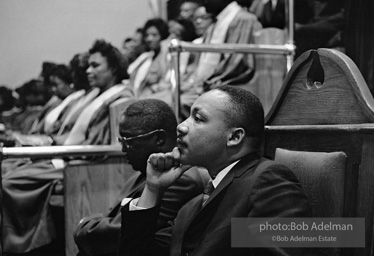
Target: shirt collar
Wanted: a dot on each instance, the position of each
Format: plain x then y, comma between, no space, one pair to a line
222,174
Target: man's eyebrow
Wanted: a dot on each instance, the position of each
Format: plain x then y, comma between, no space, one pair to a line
195,110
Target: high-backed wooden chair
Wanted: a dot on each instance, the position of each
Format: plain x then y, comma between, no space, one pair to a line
324,105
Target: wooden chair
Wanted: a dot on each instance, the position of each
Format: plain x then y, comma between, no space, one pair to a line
91,188
324,105
322,177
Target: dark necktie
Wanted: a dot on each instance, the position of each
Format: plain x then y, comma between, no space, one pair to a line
207,192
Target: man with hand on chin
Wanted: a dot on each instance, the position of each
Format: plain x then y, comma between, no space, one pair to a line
223,134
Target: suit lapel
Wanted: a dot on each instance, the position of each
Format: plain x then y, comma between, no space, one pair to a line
183,220
238,170
196,218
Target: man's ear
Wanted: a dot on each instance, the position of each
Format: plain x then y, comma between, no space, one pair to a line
236,136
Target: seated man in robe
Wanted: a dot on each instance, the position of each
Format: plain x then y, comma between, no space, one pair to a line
233,25
148,126
28,184
187,9
222,134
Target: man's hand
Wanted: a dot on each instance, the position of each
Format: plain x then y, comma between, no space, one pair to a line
163,169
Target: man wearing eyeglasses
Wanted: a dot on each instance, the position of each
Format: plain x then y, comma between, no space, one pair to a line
146,127
223,134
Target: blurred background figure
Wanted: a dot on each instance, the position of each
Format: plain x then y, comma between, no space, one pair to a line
202,20
7,104
78,65
127,45
148,70
7,101
318,23
321,26
61,82
187,9
182,29
7,108
30,104
135,46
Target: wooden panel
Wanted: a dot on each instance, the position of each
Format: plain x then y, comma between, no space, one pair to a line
91,188
324,105
322,87
365,204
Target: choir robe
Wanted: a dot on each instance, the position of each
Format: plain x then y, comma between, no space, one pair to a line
232,69
28,185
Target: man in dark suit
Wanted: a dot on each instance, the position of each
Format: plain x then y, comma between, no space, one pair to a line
223,134
148,126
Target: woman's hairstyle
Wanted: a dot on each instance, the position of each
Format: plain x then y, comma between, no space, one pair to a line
63,72
160,25
116,61
78,66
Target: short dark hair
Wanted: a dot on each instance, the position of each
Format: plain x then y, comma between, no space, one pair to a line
246,111
189,32
78,66
116,61
47,69
153,114
63,72
8,99
160,25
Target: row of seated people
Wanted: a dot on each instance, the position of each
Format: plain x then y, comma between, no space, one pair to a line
84,120
138,132
205,229
210,71
232,24
218,22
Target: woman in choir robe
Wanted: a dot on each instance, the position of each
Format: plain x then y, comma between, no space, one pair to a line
28,184
148,70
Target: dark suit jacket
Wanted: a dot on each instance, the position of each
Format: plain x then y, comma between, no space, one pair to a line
99,234
255,187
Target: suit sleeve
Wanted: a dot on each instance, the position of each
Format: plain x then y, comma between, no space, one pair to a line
277,193
279,188
96,230
138,231
148,232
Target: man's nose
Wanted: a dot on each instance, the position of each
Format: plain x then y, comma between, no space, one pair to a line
182,128
89,70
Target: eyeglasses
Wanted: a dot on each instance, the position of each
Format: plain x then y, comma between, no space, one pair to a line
125,141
